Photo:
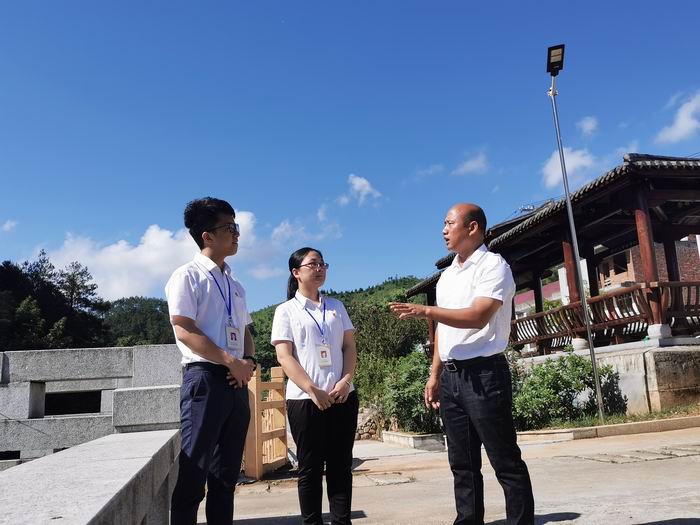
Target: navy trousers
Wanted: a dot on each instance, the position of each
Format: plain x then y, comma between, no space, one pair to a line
324,438
476,407
214,420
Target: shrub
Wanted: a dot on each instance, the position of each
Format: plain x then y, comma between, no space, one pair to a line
370,378
562,389
402,402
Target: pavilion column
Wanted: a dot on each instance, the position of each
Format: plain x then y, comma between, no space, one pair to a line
536,285
650,270
570,266
672,269
577,341
592,266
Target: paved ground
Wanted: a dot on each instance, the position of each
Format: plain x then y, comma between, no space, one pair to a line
640,479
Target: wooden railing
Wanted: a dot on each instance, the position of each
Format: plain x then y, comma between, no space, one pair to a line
615,316
266,442
680,302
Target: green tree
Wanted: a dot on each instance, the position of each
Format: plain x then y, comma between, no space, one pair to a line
139,321
29,326
402,402
75,283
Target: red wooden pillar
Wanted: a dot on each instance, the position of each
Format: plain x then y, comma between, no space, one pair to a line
592,267
536,286
650,271
674,273
570,266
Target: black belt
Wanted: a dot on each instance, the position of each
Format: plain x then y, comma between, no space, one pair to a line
212,367
453,365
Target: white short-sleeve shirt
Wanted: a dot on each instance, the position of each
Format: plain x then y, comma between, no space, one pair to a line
483,274
192,292
294,321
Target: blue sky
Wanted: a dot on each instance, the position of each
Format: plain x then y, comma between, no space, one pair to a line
348,126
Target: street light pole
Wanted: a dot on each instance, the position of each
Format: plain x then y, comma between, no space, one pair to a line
555,63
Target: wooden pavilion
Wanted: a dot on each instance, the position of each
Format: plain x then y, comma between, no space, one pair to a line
645,200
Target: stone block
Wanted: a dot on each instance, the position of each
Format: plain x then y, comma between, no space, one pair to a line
673,376
433,442
81,385
156,365
630,366
9,463
115,479
106,401
146,408
52,432
22,400
67,364
33,454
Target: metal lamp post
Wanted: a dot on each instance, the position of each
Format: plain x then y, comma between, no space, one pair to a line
555,63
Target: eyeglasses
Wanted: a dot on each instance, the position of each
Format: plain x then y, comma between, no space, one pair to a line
232,228
317,265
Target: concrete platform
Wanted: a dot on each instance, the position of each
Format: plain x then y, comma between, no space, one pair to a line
630,479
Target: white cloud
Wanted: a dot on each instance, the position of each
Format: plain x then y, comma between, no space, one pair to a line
496,189
685,124
673,100
322,213
122,269
579,163
9,225
587,125
263,271
360,190
476,164
632,147
433,169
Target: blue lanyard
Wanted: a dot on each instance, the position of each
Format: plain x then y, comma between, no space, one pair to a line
227,304
323,321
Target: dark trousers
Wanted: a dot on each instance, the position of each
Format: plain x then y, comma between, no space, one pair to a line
324,437
214,421
475,405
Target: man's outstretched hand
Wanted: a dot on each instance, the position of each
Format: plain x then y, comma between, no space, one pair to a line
409,310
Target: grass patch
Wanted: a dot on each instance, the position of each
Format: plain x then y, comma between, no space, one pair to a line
592,421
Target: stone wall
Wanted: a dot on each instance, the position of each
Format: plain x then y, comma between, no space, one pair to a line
369,424
653,377
139,389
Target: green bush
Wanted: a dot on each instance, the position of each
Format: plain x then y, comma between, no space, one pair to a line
562,389
402,401
370,377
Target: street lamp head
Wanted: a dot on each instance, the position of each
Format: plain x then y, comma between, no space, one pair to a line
555,59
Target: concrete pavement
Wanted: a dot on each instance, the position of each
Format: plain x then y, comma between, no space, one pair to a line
634,479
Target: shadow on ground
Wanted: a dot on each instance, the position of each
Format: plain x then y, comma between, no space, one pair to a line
291,520
547,518
674,521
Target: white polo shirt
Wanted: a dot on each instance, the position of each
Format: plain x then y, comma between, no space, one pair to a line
296,321
483,274
192,292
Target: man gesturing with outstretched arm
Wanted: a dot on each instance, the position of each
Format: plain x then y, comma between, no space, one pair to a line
470,381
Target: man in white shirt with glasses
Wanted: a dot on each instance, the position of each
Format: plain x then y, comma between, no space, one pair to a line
210,320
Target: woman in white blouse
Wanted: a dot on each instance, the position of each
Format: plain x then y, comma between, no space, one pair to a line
315,345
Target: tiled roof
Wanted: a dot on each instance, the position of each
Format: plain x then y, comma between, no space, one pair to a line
632,162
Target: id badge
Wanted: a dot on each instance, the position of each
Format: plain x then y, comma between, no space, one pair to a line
233,338
324,355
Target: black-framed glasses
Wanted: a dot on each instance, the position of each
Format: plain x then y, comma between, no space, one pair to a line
232,228
317,265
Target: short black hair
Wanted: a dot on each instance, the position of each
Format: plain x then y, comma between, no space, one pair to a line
477,215
201,215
